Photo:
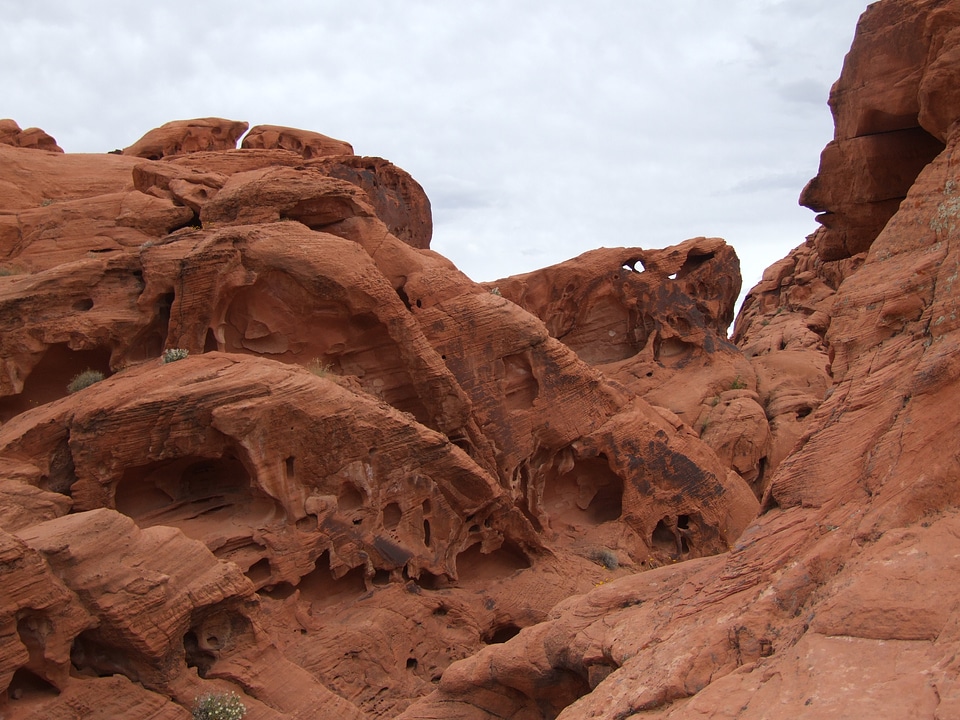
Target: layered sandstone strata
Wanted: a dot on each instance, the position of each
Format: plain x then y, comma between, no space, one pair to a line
381,466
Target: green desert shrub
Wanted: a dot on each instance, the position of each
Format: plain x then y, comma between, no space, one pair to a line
84,380
219,706
173,354
319,368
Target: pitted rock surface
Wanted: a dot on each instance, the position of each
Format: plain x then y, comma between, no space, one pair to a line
393,466
327,471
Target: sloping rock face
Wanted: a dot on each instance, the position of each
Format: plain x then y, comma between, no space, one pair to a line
839,598
322,464
655,322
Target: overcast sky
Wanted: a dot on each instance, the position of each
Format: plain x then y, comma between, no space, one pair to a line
539,129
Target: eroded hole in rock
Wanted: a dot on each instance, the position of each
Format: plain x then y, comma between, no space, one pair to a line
61,473
49,378
692,262
214,630
33,629
527,504
92,657
260,572
320,588
501,633
318,213
392,514
473,565
589,493
430,581
83,305
196,657
26,685
210,343
349,497
153,339
604,331
686,535
193,222
280,591
426,532
404,298
210,499
381,577
519,383
633,265
184,488
463,443
289,468
673,351
598,672
666,537
412,663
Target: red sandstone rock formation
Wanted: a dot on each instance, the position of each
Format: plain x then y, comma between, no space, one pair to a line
33,138
188,136
306,144
655,321
375,488
393,466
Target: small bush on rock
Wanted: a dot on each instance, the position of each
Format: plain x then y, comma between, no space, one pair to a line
605,557
84,380
320,368
219,706
173,354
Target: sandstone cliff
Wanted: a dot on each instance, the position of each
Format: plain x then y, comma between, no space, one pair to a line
326,471
378,466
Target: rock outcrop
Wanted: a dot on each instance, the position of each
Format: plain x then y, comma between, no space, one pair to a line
34,138
313,464
188,136
306,144
380,466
